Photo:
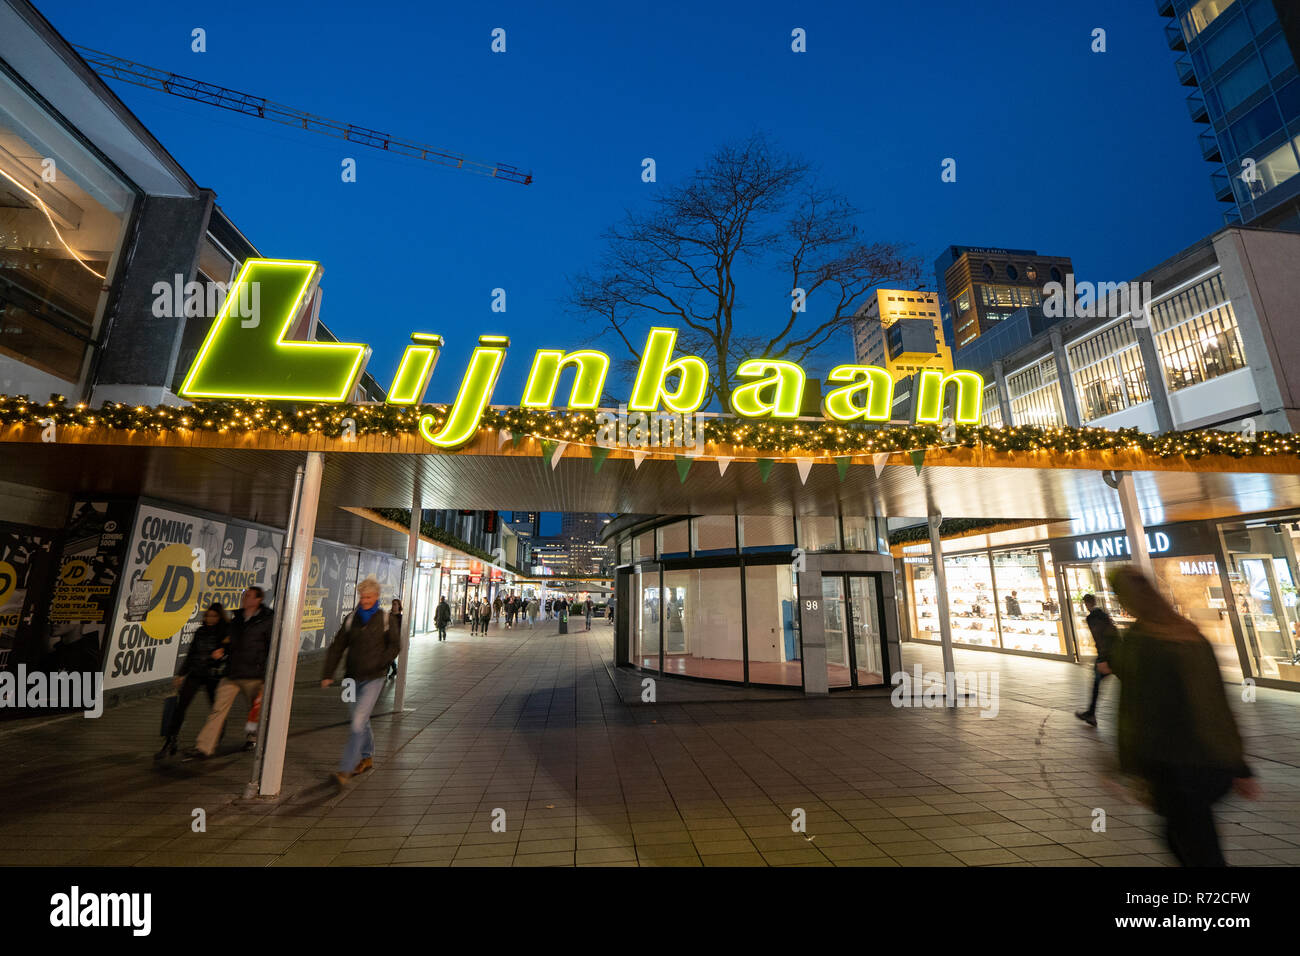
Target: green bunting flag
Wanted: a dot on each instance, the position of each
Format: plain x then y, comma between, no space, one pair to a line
598,456
517,438
548,447
842,465
684,463
918,459
765,467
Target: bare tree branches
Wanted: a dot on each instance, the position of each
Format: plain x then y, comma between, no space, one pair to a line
751,213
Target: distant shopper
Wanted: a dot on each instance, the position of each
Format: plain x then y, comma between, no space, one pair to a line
442,617
371,639
496,608
588,607
250,643
534,607
471,614
1176,730
484,615
1013,605
609,610
395,612
203,668
1104,635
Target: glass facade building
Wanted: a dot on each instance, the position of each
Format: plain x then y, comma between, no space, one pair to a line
767,600
1241,56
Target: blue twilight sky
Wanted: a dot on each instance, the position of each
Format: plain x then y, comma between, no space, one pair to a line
1058,149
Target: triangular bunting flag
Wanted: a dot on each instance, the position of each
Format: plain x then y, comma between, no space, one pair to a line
684,463
878,461
517,438
765,467
842,465
638,457
503,436
558,453
918,459
548,446
722,465
598,456
804,465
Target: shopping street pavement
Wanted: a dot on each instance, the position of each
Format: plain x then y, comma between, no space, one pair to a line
531,723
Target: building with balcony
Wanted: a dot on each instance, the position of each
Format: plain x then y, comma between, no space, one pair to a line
1242,60
980,287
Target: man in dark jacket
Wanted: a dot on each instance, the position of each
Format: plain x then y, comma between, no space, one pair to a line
1104,635
442,617
250,643
371,639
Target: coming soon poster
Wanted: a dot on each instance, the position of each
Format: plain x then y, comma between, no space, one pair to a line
177,564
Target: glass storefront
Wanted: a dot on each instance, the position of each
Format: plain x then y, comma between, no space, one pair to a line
708,605
1262,573
63,217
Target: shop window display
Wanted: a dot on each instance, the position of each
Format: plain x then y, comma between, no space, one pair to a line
971,604
1262,574
1027,603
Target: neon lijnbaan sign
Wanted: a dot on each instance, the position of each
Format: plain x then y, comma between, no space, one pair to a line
244,357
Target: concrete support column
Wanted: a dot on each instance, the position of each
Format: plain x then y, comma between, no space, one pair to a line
1122,482
1065,381
408,596
1004,399
277,698
941,596
1155,372
812,633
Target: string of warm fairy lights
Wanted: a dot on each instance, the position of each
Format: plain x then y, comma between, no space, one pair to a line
780,438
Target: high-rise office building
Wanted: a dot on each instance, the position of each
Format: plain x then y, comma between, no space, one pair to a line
981,286
1244,58
901,332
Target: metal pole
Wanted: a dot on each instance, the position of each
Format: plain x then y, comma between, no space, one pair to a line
941,598
1122,482
408,596
279,703
281,581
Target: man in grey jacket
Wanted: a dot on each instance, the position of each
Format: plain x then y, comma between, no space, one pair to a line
371,639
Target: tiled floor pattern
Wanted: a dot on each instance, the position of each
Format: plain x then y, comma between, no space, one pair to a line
528,725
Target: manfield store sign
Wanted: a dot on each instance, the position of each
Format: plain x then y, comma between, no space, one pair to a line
248,355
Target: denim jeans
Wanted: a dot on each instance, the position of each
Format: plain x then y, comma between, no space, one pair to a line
361,742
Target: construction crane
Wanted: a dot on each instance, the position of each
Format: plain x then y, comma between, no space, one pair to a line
117,68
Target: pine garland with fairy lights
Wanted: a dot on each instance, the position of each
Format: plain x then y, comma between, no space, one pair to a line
791,438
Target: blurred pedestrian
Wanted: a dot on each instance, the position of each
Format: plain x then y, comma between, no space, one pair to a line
250,643
1104,635
203,668
395,613
442,617
1176,731
371,639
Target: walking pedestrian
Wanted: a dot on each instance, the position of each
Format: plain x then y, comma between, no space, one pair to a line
534,606
442,617
588,607
371,639
1176,731
1104,635
472,613
395,613
250,643
203,668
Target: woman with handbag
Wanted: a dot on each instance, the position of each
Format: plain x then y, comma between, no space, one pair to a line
204,666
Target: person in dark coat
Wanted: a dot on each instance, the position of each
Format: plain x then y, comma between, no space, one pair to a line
250,643
395,613
1104,635
371,639
442,617
202,669
1176,731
